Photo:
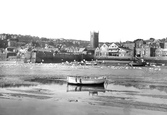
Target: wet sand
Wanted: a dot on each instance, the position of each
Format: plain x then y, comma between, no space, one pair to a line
41,89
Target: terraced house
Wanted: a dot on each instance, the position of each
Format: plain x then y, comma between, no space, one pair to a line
113,50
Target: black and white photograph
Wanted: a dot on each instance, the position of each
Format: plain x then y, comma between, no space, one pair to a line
83,57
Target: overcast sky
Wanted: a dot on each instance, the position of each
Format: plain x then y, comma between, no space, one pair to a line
116,20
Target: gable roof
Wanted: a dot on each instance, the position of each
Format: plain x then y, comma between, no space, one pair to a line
82,49
104,45
113,46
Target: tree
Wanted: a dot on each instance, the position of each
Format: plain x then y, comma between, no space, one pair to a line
3,43
152,39
51,43
35,43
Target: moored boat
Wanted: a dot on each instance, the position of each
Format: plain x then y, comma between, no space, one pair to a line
138,62
79,80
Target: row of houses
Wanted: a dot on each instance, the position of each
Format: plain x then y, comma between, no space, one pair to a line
151,48
113,50
138,48
130,49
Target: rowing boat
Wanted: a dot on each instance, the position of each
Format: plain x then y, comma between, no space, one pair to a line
138,62
85,80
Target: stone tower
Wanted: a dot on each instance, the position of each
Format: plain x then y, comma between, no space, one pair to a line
94,39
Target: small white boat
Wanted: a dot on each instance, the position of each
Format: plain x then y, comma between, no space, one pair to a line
85,80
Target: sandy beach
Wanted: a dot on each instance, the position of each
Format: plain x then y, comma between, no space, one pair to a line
40,89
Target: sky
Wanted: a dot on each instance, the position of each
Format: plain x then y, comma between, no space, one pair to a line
115,20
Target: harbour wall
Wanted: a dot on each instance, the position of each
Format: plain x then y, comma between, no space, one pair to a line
158,60
50,57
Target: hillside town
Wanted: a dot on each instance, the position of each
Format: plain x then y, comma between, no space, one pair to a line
29,48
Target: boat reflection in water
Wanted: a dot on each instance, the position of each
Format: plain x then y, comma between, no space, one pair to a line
92,89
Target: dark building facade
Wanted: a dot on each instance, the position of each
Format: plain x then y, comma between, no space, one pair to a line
94,39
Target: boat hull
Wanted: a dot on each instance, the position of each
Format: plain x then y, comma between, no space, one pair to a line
137,64
86,81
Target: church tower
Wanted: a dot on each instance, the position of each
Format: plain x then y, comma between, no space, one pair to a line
94,39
